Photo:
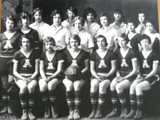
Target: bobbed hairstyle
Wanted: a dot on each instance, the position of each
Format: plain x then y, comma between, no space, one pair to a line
25,15
104,15
49,39
27,37
12,18
37,10
125,37
144,36
132,21
101,36
56,11
72,9
77,38
89,10
117,11
79,18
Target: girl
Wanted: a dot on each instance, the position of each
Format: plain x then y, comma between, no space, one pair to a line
75,57
133,37
57,31
90,25
141,27
8,46
39,24
26,30
50,69
148,62
102,67
69,22
25,70
126,73
154,36
107,31
87,42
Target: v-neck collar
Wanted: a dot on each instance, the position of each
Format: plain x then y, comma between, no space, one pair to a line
51,56
27,56
74,57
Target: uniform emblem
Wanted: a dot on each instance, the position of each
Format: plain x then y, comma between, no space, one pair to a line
50,66
124,64
27,63
102,64
145,64
8,45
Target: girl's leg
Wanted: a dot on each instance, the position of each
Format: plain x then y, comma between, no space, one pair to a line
140,88
114,99
102,95
132,99
69,96
120,91
23,98
52,85
31,98
93,96
44,94
77,97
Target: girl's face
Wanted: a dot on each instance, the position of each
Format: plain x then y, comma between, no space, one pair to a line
78,25
70,14
57,19
144,43
73,43
117,16
131,27
38,17
101,43
25,21
122,42
104,21
9,24
49,46
90,17
141,18
149,27
26,43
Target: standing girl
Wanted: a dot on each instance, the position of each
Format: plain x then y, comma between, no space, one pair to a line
76,66
102,67
25,70
9,44
50,69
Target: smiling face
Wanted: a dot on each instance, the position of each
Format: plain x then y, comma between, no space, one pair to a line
122,42
145,43
73,43
26,43
78,25
57,19
104,21
101,43
9,24
49,46
90,17
38,17
131,27
149,27
117,16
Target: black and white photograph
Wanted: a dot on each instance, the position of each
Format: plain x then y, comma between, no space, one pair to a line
80,60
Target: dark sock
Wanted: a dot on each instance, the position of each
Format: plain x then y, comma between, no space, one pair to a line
114,99
133,101
77,99
23,100
93,98
122,99
31,100
52,97
101,101
70,101
44,96
139,102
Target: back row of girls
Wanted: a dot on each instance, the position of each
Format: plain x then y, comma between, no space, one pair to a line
74,38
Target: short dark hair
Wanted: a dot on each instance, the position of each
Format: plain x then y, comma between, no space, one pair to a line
125,37
27,37
118,11
104,15
77,38
132,21
49,39
73,9
89,10
54,12
144,36
25,15
12,18
37,9
101,36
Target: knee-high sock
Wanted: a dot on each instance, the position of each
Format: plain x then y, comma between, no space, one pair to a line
70,101
101,100
94,99
133,101
114,99
52,97
23,100
122,100
31,100
44,96
139,102
77,99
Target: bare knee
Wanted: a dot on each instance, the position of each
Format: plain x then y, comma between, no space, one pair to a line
52,84
68,84
103,86
43,86
94,86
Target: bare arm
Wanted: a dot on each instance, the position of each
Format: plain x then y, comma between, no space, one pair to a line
86,66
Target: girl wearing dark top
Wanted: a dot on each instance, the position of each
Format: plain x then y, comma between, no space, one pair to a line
126,73
102,67
25,70
148,64
50,69
8,46
78,59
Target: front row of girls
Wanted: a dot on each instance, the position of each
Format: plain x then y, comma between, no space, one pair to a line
104,64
